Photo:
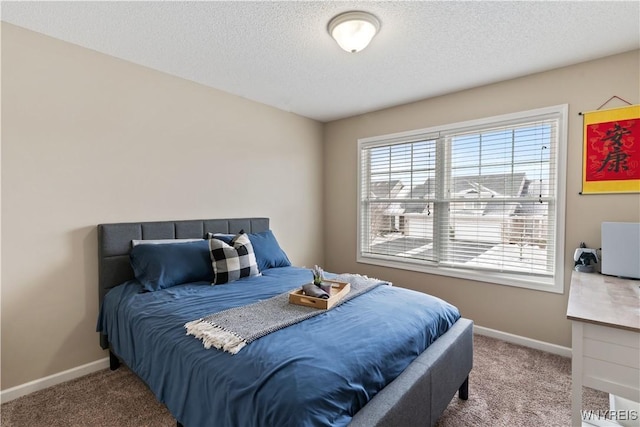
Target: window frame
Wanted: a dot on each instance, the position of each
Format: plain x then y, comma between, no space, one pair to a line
555,283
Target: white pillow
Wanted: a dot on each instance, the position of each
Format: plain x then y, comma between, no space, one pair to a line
161,241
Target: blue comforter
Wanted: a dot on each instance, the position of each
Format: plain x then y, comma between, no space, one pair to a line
319,372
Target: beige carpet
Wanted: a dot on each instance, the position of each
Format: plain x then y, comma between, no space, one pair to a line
509,386
514,386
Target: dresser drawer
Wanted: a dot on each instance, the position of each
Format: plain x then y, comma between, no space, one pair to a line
611,360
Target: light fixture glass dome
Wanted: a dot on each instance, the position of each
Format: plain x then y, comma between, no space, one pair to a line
353,30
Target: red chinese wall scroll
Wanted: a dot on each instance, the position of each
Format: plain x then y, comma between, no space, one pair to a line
611,151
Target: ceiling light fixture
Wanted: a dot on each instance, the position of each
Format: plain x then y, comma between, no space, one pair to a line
353,30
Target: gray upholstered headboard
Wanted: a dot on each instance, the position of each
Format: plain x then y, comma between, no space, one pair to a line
114,243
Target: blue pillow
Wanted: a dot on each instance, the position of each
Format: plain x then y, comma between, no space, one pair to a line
162,266
268,252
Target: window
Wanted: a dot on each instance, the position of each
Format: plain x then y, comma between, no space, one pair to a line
482,200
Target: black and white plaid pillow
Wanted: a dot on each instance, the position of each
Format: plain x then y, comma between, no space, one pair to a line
232,261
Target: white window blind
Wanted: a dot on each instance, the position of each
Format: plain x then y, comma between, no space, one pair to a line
480,199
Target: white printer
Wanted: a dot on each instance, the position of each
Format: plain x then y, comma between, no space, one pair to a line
621,249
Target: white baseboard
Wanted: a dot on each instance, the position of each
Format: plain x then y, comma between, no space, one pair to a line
42,383
30,387
524,341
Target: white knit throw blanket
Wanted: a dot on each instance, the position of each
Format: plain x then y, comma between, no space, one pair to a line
231,330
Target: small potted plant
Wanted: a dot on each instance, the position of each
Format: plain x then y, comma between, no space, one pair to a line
318,279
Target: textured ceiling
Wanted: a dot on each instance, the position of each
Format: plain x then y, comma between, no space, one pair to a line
280,54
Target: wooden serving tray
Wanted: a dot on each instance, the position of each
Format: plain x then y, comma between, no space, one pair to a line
338,291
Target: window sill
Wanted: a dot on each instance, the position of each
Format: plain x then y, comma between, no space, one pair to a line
504,279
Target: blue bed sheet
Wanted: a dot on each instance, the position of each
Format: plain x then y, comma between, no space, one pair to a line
319,372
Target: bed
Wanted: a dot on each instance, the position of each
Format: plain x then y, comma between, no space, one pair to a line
145,330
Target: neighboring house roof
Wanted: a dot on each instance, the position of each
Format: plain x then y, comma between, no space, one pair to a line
505,185
499,185
420,191
386,189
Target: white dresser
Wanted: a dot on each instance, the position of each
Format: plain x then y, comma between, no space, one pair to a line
605,315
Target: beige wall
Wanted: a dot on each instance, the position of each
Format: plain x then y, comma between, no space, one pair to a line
534,314
87,139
